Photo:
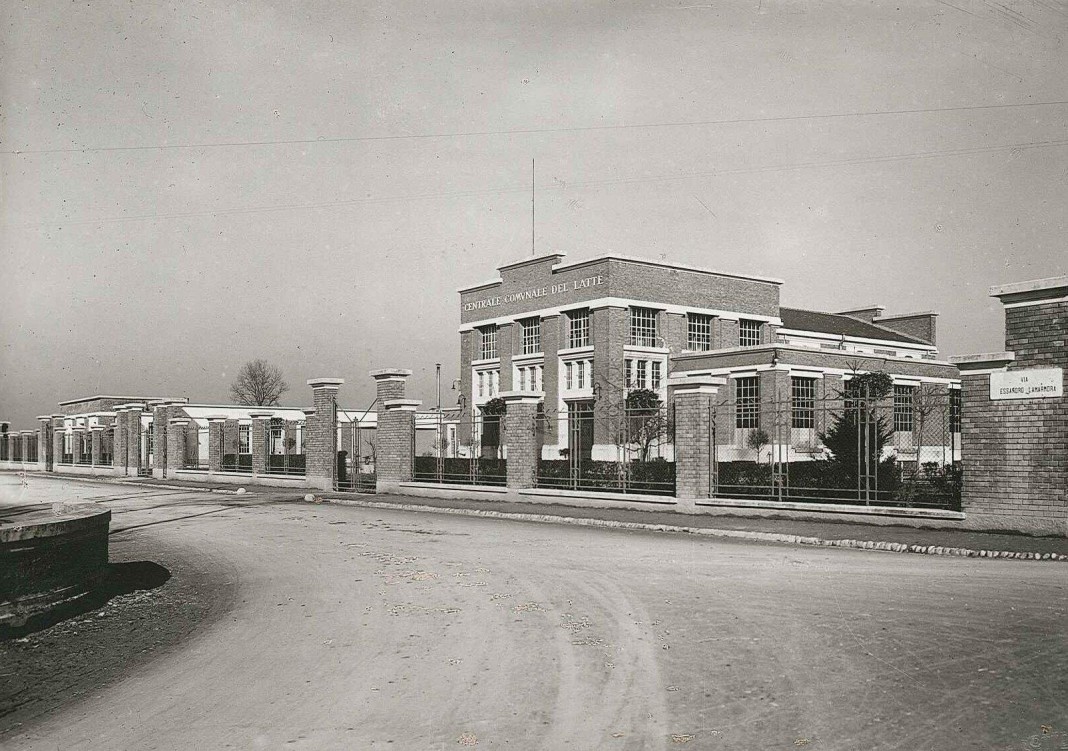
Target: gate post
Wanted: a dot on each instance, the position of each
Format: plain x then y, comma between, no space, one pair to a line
321,430
57,441
215,442
96,438
520,437
694,400
176,444
118,441
133,437
395,433
44,443
258,441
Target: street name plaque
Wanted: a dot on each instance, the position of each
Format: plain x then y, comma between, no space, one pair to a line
1035,383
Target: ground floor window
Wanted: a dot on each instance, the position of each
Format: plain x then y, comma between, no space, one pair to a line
244,439
746,402
902,408
802,402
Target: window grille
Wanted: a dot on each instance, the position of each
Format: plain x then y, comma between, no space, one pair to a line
699,332
747,402
748,333
578,328
803,402
643,327
488,343
244,439
531,331
902,409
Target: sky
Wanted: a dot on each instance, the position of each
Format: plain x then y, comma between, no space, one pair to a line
186,186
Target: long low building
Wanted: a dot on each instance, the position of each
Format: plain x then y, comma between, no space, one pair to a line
83,435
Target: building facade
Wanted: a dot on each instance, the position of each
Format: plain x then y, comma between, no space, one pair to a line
585,335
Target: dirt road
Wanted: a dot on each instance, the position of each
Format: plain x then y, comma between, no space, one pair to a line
354,628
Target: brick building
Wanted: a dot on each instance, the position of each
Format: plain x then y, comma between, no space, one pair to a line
587,333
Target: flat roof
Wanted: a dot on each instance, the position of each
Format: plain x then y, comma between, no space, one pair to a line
107,396
616,257
1034,285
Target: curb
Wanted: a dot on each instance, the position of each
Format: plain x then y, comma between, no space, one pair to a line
132,481
892,547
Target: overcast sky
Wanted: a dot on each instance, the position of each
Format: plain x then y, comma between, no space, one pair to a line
189,185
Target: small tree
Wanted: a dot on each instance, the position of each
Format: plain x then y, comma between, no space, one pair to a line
757,440
259,384
856,438
647,422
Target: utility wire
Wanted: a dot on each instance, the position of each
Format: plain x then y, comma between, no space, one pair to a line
532,131
940,153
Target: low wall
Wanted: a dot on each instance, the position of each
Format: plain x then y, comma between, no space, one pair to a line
21,466
240,478
48,558
706,507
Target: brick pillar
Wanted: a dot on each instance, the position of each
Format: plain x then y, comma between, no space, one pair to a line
133,438
610,327
520,437
258,441
321,433
44,443
161,413
215,442
176,444
57,438
97,442
395,442
24,446
395,433
693,402
390,383
118,441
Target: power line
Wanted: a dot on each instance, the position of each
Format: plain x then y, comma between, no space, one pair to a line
940,153
532,131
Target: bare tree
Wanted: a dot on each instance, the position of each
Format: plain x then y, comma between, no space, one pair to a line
258,383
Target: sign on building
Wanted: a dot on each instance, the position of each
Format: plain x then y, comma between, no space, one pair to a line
1034,383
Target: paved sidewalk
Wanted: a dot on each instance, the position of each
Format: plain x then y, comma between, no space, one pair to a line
922,540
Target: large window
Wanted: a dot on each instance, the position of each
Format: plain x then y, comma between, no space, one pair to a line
244,439
699,332
487,345
488,382
748,333
643,374
531,330
578,328
802,402
578,374
528,378
643,327
902,409
747,402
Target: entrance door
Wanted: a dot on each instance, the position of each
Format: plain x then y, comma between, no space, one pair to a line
579,436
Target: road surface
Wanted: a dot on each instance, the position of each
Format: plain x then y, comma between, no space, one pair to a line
353,628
